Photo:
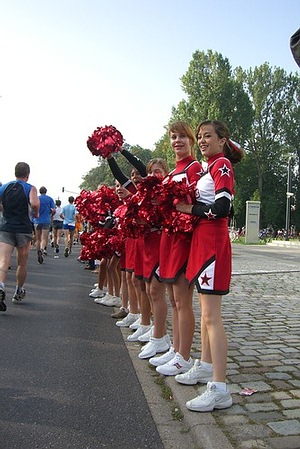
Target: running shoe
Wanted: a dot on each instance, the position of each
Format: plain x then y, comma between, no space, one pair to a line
140,331
154,346
40,257
129,319
146,336
134,326
162,359
196,374
175,366
2,298
18,296
97,293
120,314
210,399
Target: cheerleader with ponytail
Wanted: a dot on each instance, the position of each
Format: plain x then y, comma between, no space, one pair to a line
209,264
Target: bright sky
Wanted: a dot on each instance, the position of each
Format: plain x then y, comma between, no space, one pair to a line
69,66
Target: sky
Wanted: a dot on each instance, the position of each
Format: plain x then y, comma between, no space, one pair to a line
69,66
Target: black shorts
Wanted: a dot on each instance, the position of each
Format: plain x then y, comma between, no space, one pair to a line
57,224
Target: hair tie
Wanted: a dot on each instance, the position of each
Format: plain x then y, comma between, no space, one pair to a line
234,145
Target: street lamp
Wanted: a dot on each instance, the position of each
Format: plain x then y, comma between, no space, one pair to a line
289,195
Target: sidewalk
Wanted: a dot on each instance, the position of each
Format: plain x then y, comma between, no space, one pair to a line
262,319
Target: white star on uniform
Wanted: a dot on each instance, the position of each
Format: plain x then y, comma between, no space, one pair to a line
225,170
210,215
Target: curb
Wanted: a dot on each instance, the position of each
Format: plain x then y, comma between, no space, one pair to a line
196,430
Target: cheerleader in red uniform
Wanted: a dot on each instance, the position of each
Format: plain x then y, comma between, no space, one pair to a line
133,253
159,340
146,262
174,252
209,263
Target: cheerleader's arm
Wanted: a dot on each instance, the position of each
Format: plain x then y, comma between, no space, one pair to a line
135,162
119,175
219,209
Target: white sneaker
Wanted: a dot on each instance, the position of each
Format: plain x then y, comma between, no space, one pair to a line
162,359
146,336
154,346
194,375
103,299
134,326
140,331
175,366
97,293
111,301
129,319
210,399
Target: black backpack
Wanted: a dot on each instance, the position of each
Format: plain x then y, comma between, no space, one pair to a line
15,209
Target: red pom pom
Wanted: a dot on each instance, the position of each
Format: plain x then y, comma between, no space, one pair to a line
105,141
102,243
142,214
94,206
176,222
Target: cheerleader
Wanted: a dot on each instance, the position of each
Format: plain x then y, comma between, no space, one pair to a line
209,263
133,249
145,266
173,257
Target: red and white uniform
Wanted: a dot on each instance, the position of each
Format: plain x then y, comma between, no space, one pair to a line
151,254
174,249
210,263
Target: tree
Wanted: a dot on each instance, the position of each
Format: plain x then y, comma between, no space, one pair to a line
212,91
261,107
275,106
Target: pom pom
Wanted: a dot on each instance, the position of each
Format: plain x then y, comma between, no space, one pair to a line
176,222
95,206
101,243
142,214
105,141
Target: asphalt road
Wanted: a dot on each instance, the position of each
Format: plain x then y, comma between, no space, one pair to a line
67,380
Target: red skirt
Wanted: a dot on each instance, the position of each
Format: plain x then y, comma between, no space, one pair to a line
210,260
138,257
130,245
173,256
151,255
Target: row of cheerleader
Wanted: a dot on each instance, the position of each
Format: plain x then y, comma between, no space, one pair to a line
169,232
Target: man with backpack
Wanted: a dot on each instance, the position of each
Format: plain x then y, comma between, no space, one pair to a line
20,203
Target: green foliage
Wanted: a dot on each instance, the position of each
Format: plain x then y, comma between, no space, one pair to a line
261,107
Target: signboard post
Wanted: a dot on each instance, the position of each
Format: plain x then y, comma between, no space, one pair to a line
252,221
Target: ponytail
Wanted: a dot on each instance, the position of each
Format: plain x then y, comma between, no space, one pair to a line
233,151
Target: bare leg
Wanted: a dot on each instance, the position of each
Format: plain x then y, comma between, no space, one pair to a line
174,315
133,300
114,273
102,273
145,308
44,238
5,258
70,240
157,293
124,290
22,257
38,239
217,340
186,321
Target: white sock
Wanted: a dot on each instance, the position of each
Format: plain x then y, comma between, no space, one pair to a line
220,386
2,285
207,366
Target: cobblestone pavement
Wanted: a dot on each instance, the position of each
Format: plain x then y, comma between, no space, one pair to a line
262,319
